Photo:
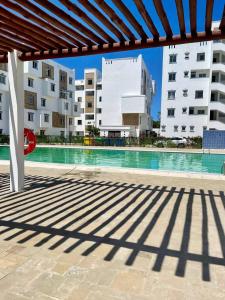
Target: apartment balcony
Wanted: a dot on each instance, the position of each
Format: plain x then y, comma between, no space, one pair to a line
218,86
216,125
219,46
218,66
217,115
134,104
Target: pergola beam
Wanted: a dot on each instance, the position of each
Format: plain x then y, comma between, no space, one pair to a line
95,12
54,32
77,11
116,19
73,22
106,48
163,17
123,8
193,13
180,13
144,13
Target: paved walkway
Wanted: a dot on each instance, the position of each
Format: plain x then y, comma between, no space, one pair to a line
92,237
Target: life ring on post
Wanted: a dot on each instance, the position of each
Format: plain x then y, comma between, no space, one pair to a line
31,138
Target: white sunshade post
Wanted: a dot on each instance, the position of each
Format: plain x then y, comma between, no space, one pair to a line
16,122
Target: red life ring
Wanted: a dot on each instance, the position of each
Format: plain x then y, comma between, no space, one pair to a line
31,138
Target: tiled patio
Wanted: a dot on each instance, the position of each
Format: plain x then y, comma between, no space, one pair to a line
76,237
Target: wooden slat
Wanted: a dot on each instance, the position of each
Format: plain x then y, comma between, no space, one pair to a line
193,12
145,15
95,12
35,30
4,48
124,46
130,17
163,17
208,15
23,31
18,38
55,32
13,44
180,13
80,13
222,23
13,28
115,19
73,22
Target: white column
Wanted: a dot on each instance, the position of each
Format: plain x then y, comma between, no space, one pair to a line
16,122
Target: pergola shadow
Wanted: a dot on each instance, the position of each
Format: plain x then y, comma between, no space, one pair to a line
114,214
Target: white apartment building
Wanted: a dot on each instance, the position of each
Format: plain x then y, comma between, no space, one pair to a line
118,101
49,100
193,89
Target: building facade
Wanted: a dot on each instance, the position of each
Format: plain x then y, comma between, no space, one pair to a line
118,101
49,98
193,89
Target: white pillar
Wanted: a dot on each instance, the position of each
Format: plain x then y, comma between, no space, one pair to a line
16,122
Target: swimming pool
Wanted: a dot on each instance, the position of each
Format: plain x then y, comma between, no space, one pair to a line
186,162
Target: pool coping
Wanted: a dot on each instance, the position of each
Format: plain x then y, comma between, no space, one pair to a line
72,168
127,148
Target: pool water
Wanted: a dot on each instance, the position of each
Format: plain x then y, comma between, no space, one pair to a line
187,162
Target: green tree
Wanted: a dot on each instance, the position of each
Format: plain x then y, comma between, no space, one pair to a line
93,131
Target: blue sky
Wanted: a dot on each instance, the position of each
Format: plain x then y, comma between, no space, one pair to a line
152,57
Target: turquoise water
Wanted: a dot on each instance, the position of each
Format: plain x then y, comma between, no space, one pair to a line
187,162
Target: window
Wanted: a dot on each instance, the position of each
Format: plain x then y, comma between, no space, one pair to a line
90,93
79,99
171,95
201,111
184,110
79,87
90,82
89,104
98,87
201,56
0,115
183,128
66,106
75,108
70,121
35,64
70,94
1,131
173,58
204,128
46,118
30,82
30,117
70,80
52,87
202,75
175,128
185,93
186,55
43,102
89,117
186,74
172,76
48,71
171,112
0,98
191,111
79,122
99,110
62,76
100,99
199,94
2,79
193,74
163,128
31,99
192,128
100,122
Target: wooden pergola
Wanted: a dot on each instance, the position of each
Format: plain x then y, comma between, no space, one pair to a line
43,29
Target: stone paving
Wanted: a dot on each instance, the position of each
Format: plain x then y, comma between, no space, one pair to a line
94,236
